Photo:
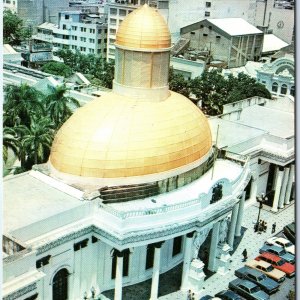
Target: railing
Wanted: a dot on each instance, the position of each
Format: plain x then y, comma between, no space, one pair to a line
240,159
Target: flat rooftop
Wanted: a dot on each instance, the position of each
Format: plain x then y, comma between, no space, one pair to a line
28,200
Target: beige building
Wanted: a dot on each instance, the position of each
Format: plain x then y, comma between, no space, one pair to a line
231,40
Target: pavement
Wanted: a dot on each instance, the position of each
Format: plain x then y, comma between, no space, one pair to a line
170,281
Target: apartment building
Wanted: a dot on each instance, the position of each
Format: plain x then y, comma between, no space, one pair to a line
76,31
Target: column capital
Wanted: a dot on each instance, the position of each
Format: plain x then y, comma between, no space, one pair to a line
119,253
158,244
281,168
190,234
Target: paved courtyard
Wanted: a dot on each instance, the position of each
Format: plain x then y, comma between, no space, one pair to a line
170,282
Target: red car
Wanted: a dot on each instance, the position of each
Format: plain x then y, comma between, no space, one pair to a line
277,263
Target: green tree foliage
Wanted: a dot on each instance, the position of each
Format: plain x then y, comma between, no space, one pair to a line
38,138
13,30
57,68
59,106
215,90
31,120
20,104
178,84
96,67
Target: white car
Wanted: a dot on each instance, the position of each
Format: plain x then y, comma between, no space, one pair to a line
282,242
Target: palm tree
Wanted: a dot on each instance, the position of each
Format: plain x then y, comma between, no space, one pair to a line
10,141
60,106
21,103
38,139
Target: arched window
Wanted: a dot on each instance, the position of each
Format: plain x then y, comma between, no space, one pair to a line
60,285
292,92
283,89
275,87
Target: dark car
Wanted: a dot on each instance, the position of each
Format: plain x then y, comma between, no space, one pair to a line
288,257
289,231
267,284
248,289
228,295
207,297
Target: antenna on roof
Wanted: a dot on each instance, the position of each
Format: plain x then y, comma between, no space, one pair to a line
215,153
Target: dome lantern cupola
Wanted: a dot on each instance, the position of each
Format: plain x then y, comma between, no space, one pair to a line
142,55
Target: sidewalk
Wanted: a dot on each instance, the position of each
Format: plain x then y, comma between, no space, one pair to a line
250,240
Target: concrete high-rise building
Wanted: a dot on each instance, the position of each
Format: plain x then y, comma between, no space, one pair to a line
183,13
35,12
273,18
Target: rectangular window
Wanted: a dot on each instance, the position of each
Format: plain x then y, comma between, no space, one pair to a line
177,245
74,28
205,34
112,31
218,37
99,31
149,257
91,50
82,49
83,39
92,30
67,17
193,32
113,11
99,41
122,12
92,41
64,26
207,14
208,4
82,29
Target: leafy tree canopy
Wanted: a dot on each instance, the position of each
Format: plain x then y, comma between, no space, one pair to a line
96,67
13,30
57,68
178,84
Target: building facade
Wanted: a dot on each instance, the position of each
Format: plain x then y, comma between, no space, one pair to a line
231,40
278,76
76,31
183,13
269,142
271,17
132,188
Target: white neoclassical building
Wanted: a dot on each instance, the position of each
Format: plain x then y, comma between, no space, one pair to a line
133,188
278,76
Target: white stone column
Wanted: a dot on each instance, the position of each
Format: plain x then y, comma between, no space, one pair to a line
233,220
283,187
277,189
119,276
240,215
187,260
156,269
253,189
213,247
289,185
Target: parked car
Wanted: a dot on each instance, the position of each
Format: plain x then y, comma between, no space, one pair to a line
289,231
209,297
279,252
282,242
248,289
267,284
267,269
277,263
228,295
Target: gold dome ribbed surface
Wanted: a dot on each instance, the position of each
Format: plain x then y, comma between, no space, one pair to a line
117,136
144,28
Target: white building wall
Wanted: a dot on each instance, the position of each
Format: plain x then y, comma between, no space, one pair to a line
183,13
280,21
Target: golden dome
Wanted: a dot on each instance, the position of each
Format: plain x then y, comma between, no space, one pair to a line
144,28
117,136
